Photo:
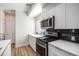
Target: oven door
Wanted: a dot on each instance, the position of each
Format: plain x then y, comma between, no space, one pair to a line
41,48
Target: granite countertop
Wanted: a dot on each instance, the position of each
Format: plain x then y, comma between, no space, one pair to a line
3,45
36,35
70,47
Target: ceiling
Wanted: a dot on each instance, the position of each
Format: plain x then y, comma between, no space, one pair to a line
13,6
17,6
25,7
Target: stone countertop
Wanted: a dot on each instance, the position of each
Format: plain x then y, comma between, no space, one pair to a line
3,45
36,35
70,47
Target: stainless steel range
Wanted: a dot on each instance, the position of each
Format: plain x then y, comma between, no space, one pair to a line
42,42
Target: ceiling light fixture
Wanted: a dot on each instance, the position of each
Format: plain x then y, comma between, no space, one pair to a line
36,10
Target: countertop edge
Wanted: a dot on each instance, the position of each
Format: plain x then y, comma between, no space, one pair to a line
9,41
62,48
36,35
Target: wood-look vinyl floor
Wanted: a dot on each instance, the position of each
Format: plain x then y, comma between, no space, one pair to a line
22,51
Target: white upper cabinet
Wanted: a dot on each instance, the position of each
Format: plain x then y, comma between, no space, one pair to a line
72,15
66,15
47,12
59,13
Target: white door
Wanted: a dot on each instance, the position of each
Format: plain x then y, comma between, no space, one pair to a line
10,27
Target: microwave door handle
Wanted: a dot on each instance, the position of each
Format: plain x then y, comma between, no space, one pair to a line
48,22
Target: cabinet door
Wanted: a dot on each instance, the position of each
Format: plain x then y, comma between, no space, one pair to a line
32,42
72,15
7,52
54,51
34,45
59,13
51,51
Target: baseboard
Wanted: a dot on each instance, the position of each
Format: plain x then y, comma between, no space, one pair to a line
20,45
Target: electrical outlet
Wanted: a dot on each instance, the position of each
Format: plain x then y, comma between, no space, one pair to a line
73,38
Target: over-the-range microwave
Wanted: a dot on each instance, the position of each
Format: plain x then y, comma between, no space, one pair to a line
48,23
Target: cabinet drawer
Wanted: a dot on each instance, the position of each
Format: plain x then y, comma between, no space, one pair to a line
58,52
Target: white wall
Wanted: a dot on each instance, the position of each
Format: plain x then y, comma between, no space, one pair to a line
38,20
24,25
0,22
38,26
2,19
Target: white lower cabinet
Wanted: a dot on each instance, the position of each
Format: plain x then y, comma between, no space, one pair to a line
51,51
32,42
7,51
54,51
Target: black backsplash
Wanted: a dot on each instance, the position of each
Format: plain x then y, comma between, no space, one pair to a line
66,34
51,30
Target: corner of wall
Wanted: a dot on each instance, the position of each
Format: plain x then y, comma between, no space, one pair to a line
21,45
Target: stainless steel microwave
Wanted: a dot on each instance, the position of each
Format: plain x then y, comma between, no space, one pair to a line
48,23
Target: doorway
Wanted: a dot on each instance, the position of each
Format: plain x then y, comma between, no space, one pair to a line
10,25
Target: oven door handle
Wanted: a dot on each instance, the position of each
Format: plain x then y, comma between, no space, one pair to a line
41,45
